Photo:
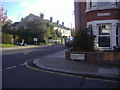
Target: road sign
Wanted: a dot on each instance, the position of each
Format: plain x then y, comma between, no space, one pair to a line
35,39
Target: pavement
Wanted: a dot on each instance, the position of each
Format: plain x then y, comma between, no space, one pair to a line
57,62
23,47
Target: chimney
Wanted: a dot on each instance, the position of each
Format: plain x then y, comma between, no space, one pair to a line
51,19
62,23
57,22
41,15
22,19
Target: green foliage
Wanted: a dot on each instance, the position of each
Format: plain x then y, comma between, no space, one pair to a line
51,26
59,34
6,28
7,38
41,43
35,29
62,40
83,41
117,49
8,45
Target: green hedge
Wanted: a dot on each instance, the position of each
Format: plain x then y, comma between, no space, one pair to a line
7,38
83,41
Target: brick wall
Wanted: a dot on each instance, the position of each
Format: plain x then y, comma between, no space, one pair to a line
92,15
82,17
98,57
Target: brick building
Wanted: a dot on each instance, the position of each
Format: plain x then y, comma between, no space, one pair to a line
103,19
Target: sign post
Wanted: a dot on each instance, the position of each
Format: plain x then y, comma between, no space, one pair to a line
35,40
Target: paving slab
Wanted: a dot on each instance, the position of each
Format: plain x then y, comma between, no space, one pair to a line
57,62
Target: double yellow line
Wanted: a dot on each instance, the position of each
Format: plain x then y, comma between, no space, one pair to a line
66,74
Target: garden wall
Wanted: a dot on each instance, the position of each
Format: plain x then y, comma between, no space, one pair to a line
97,57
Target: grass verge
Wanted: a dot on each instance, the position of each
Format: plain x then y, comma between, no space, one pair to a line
8,45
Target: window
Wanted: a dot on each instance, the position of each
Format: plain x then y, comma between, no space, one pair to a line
104,29
90,30
117,34
90,4
117,40
104,35
103,4
117,29
104,41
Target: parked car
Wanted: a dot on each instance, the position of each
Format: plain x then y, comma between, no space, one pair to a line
21,44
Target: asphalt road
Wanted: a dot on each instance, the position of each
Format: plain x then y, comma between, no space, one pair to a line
17,75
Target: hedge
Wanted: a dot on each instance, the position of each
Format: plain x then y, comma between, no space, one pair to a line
7,38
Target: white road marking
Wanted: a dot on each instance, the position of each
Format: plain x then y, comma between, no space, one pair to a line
25,63
26,53
11,67
22,64
15,66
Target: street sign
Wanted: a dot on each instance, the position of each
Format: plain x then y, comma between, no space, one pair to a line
77,56
103,14
35,39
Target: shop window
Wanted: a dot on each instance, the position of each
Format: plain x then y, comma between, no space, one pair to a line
104,41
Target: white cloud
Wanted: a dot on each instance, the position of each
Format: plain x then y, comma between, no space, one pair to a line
24,4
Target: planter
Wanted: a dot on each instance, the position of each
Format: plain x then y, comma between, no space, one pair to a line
97,57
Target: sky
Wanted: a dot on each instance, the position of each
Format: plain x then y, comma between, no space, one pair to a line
62,10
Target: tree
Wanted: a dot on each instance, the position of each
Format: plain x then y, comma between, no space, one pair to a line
35,29
3,16
7,26
7,38
59,34
83,41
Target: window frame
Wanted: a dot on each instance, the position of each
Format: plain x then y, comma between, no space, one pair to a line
104,35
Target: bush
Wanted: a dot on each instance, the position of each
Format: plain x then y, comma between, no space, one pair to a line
83,41
7,38
117,49
41,44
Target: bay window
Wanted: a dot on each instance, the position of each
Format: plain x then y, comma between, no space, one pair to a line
104,35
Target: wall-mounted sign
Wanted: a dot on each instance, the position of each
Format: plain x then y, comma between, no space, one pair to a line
77,56
103,14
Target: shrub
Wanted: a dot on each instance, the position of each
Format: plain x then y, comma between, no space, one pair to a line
83,41
117,49
7,38
41,44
